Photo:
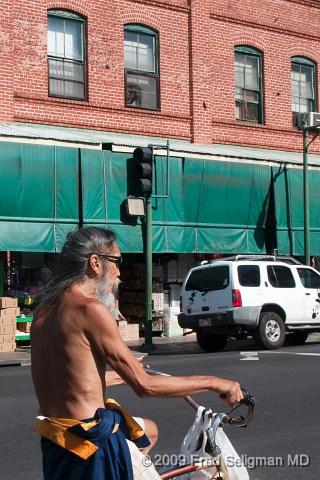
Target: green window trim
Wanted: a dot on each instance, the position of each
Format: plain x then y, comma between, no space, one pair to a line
248,85
64,13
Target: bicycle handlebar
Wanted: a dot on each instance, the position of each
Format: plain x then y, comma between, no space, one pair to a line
247,400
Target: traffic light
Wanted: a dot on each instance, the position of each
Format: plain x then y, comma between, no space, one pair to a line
142,171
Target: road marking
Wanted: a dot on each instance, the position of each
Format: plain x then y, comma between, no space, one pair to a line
249,356
293,353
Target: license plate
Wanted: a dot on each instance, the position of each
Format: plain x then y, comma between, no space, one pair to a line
205,322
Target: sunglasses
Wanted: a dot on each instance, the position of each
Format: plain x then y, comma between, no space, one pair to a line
117,259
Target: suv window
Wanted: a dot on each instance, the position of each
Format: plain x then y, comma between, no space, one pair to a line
208,279
249,275
309,278
280,277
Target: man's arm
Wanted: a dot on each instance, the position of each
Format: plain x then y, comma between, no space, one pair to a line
112,378
104,336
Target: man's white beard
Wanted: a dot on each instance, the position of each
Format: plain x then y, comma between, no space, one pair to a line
104,295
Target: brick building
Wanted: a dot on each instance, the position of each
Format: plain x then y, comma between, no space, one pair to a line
84,83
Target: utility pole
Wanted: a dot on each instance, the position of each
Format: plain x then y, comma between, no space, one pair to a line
305,130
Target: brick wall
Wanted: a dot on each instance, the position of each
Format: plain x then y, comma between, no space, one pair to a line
196,41
7,72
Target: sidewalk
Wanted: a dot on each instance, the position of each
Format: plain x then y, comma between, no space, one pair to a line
177,345
160,346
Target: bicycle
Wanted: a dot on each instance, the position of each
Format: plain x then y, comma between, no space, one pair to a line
220,420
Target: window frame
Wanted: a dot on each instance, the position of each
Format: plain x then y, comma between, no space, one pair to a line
276,276
254,53
308,278
143,73
65,60
249,275
302,61
201,280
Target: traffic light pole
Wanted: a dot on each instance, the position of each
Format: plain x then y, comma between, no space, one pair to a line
143,173
148,260
305,130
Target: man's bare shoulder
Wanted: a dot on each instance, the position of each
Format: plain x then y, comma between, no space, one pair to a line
91,314
74,306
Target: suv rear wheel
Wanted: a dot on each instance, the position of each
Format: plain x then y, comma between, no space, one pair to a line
271,332
211,343
297,338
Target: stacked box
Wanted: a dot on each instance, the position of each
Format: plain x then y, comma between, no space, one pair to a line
172,329
24,327
8,329
6,302
158,301
132,332
8,312
171,326
7,347
174,297
7,338
128,331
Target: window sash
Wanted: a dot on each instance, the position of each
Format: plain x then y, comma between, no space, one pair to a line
139,51
65,38
66,79
142,90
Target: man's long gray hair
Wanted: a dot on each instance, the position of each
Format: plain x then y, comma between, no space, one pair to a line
73,260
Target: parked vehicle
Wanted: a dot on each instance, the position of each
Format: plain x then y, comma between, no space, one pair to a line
271,298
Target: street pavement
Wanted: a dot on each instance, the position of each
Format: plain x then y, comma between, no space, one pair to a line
161,345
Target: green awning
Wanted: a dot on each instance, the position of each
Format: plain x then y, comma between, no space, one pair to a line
289,205
213,206
225,205
38,196
104,180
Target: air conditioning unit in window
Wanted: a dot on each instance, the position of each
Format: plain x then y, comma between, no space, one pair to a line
313,119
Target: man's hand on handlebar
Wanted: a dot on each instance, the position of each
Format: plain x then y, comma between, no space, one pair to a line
229,392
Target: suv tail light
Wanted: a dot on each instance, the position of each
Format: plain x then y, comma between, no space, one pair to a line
236,298
181,311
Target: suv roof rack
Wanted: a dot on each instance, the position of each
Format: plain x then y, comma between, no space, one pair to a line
275,258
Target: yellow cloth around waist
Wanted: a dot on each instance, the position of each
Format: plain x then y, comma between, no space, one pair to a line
134,427
56,430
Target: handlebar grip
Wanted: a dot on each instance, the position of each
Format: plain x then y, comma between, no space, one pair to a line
247,397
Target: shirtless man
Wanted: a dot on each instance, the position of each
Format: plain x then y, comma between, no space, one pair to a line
73,339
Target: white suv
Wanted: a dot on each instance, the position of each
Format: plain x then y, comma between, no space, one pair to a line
258,295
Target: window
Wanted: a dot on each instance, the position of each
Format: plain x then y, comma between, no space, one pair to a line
249,275
208,279
280,277
248,93
66,55
141,68
309,278
302,85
